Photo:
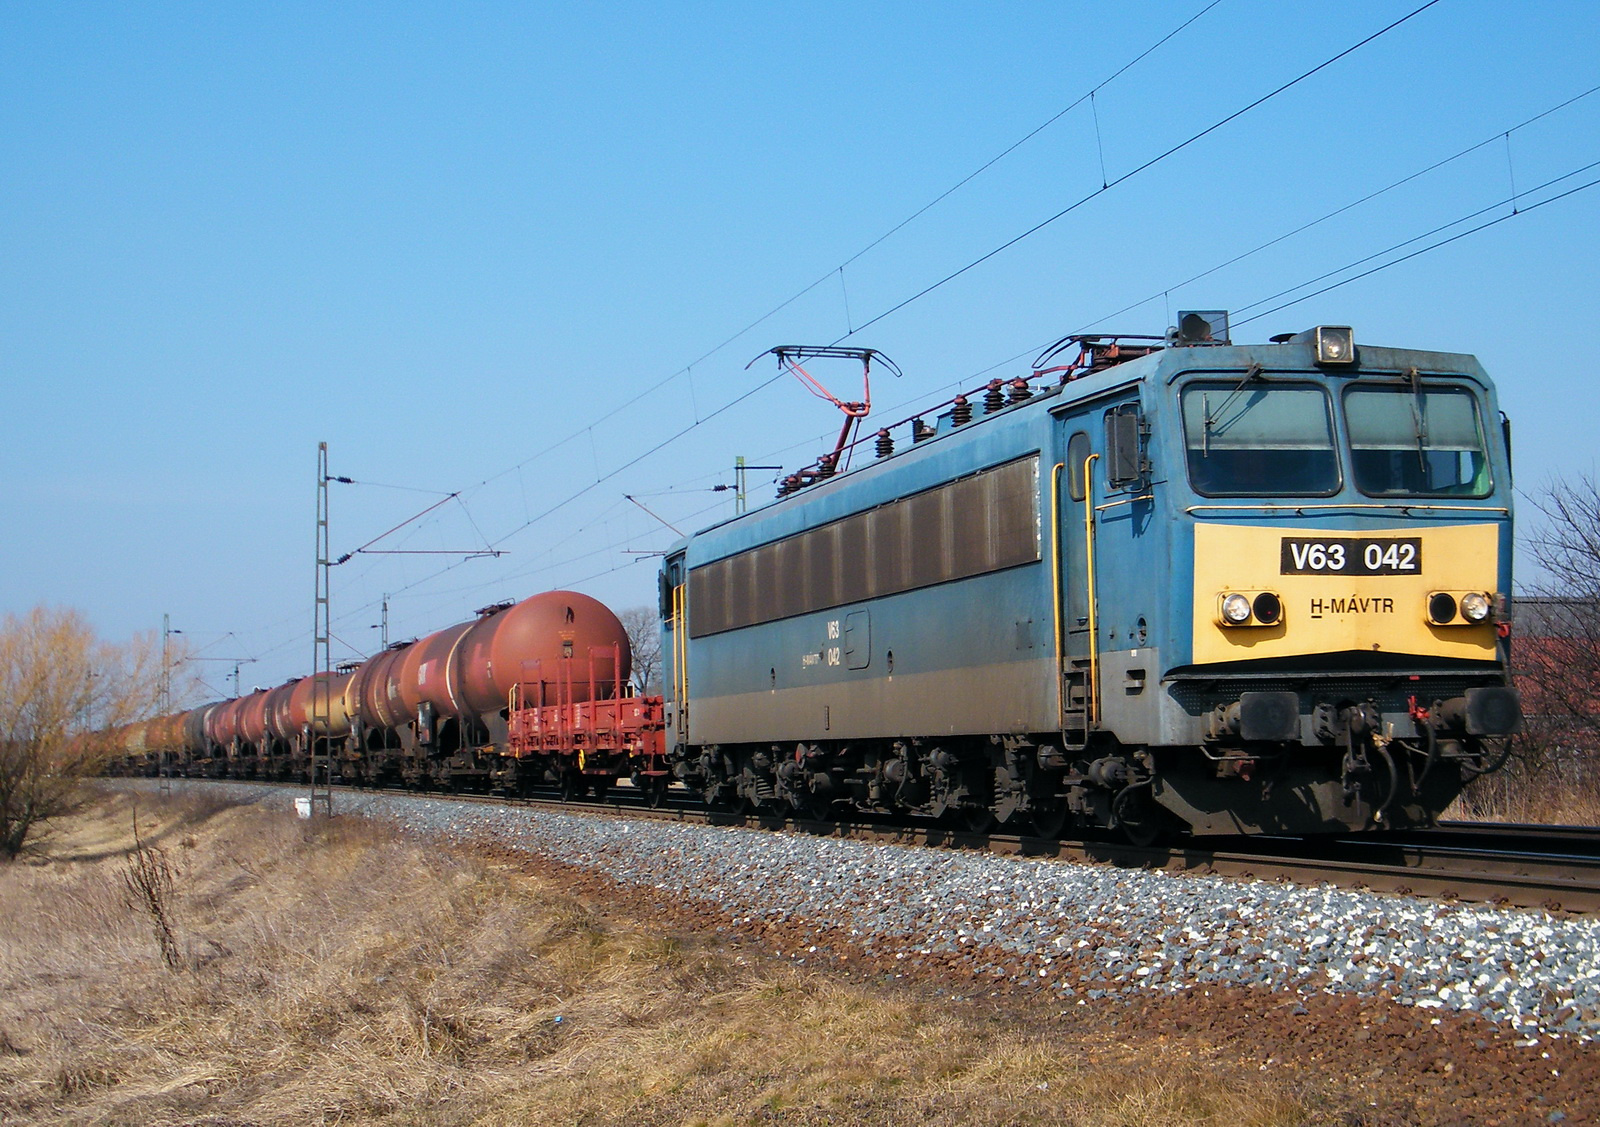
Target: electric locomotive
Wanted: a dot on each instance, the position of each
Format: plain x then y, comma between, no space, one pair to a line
1192,584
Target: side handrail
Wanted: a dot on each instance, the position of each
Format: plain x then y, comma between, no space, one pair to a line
1093,703
1055,590
680,664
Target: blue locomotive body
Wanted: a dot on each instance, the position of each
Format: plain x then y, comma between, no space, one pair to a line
1233,588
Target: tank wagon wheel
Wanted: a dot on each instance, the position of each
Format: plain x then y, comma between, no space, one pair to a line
655,791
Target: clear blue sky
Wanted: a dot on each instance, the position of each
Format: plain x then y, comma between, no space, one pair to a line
446,238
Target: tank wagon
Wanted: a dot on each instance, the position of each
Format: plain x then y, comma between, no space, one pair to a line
1231,588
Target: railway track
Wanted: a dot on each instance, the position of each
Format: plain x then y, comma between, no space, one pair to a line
1555,868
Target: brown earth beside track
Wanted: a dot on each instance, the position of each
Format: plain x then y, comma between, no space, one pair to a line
339,973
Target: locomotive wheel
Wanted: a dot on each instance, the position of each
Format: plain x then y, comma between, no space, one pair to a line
817,807
1139,819
977,819
1049,817
1141,834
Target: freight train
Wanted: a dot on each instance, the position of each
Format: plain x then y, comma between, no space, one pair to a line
1171,584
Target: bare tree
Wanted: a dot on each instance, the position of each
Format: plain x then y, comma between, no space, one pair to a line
1555,654
644,636
61,690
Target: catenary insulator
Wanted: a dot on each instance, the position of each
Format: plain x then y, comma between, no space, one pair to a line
1020,390
993,398
960,411
885,444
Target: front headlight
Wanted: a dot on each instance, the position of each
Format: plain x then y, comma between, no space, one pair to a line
1474,606
1235,609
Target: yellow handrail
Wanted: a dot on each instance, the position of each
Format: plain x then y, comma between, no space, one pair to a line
1055,588
1092,705
680,664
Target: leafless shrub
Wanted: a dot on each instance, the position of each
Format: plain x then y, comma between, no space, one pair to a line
151,880
59,687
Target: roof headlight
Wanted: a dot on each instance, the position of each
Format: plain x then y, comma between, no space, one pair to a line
1475,606
1336,344
1235,609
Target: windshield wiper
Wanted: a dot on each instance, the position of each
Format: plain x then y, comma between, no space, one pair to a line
1419,422
1250,373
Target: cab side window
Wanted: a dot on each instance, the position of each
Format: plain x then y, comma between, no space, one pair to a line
1077,453
1125,463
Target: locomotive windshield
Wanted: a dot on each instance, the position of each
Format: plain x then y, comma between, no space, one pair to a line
1425,441
1248,438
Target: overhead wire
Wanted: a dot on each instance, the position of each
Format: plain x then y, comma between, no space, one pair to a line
1338,211
1511,200
659,384
1519,210
1010,242
391,591
1088,96
1152,162
1126,176
901,225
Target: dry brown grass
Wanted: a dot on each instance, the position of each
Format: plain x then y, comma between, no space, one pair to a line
341,974
1516,795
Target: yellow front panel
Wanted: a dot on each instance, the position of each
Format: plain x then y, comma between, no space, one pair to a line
1330,613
